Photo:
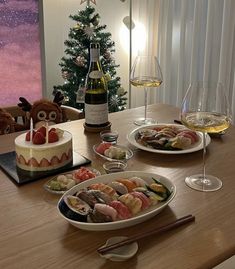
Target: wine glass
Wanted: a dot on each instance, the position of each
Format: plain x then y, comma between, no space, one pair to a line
205,108
145,73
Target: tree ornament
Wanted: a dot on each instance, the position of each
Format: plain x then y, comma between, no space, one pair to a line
88,2
107,55
80,94
66,99
114,102
89,31
107,77
77,26
80,61
66,75
120,91
96,21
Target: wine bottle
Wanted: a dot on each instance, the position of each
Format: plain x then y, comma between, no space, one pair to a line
96,95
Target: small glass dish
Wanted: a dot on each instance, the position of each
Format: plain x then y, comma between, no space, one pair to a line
115,166
109,136
126,153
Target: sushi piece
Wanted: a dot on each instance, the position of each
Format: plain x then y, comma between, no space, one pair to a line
97,217
145,200
134,204
180,142
128,183
101,196
88,197
74,208
119,187
139,182
104,188
153,197
106,210
123,211
190,134
159,190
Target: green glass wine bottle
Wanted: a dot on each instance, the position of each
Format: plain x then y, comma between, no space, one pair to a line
96,95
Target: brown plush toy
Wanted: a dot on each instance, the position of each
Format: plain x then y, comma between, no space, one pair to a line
8,124
43,110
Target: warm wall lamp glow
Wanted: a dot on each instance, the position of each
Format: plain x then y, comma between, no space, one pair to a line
138,36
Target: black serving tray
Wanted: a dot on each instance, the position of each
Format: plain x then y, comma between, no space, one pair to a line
8,165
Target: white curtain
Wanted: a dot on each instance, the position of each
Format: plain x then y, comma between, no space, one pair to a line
195,40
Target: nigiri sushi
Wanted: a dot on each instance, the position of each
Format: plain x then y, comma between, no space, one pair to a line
153,197
145,200
139,182
98,217
190,134
133,203
104,188
122,210
89,198
102,196
119,187
106,210
128,183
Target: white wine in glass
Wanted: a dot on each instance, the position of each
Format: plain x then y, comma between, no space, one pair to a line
206,109
146,73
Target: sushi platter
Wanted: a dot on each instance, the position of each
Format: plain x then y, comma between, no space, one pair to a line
167,139
115,201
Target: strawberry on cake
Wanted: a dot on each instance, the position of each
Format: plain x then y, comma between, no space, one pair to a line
47,150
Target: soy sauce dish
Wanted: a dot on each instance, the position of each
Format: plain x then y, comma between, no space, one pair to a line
106,202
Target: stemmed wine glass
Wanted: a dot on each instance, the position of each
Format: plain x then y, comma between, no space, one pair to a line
145,73
205,108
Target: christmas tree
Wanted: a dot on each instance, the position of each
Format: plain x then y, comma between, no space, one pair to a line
74,66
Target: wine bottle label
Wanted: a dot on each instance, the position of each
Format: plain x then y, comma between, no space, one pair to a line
96,114
96,74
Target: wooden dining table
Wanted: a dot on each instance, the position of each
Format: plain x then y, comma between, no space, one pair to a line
34,235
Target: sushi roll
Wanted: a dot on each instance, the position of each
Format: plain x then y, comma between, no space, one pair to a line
134,204
74,208
119,187
128,183
122,210
106,210
145,200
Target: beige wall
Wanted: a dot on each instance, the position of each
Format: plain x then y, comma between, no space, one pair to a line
56,28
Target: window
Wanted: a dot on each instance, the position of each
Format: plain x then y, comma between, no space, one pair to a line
20,60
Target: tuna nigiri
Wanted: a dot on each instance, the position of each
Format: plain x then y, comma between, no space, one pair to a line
122,210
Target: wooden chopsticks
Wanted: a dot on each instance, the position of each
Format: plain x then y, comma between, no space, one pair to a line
158,230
